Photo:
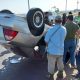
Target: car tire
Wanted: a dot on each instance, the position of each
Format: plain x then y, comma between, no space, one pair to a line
35,19
6,11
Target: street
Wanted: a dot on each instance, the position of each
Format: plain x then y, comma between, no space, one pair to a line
24,69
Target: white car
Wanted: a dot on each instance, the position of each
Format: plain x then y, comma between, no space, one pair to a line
22,34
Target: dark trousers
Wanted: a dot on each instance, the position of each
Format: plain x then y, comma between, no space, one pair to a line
78,61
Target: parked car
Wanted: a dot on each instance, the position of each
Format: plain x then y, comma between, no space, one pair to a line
22,34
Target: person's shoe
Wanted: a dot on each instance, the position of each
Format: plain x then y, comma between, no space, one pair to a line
50,77
61,79
60,74
77,75
73,66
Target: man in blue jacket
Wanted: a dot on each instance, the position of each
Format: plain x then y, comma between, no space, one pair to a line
54,39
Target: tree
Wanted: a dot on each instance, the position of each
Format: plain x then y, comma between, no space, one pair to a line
57,10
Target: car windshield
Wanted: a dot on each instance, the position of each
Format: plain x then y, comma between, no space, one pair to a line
22,6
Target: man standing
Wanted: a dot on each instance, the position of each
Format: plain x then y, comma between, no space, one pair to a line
77,19
70,41
54,39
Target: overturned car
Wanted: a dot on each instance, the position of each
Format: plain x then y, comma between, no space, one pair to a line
22,34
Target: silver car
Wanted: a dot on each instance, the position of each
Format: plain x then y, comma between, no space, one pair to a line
22,34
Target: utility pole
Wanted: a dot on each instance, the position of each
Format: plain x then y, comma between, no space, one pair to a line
66,6
28,5
77,4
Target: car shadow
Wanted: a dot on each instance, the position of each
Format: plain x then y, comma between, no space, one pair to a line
25,69
4,52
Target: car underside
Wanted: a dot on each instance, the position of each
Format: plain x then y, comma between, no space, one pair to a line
22,34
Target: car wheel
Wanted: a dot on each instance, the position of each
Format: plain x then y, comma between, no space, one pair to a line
6,11
35,21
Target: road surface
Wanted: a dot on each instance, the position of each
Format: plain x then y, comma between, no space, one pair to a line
25,69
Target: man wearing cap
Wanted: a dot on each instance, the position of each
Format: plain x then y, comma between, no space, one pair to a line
54,39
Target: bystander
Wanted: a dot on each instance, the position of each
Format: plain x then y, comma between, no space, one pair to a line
54,39
70,41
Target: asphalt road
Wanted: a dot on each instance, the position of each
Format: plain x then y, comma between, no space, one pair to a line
25,69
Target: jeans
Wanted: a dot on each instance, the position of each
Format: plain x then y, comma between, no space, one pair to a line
69,45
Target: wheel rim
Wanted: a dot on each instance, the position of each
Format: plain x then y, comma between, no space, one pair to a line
38,19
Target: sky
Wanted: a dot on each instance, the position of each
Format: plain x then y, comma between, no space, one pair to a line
21,6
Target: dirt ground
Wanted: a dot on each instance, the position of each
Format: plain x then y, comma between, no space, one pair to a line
68,73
